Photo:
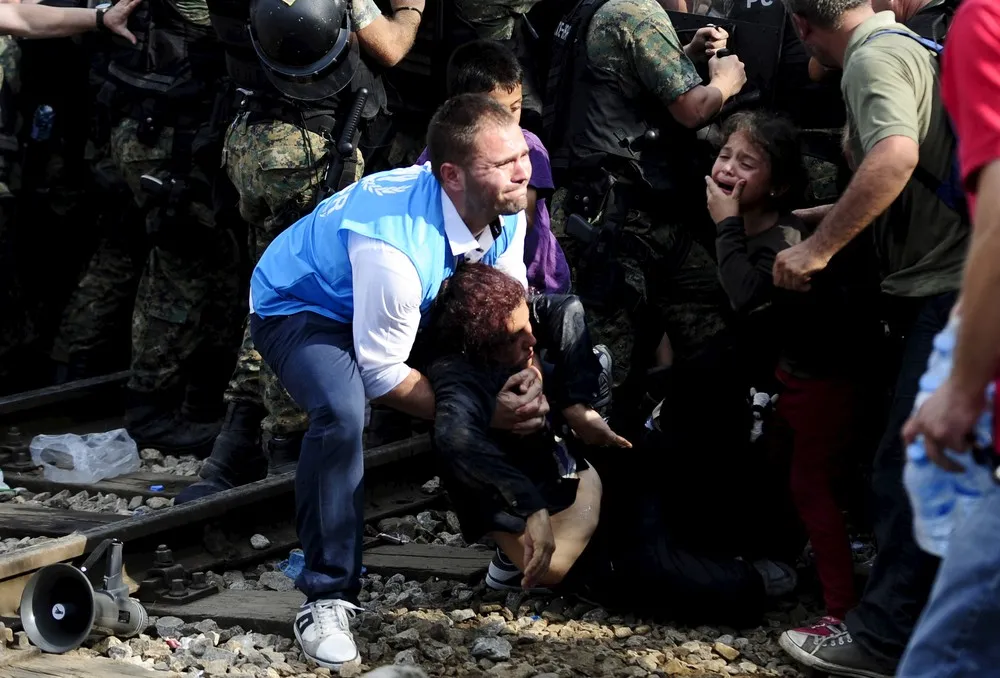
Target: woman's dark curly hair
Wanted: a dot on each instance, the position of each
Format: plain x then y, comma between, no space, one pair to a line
778,138
471,311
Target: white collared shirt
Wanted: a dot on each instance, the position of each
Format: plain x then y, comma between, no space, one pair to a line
388,292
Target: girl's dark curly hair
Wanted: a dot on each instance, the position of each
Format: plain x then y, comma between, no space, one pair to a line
778,138
471,311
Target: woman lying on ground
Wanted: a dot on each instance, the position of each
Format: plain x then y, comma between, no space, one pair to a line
537,497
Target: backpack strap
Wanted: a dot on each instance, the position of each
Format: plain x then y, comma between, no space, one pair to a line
935,47
948,190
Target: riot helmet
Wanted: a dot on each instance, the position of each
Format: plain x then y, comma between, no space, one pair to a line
305,46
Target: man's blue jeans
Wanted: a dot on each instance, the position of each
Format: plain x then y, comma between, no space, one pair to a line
903,574
957,632
313,357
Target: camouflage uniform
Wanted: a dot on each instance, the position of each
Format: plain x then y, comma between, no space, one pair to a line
16,330
189,302
404,150
94,330
277,169
10,61
104,298
499,20
684,300
189,293
102,301
679,293
493,19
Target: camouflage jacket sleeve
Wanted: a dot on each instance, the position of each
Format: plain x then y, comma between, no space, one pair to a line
364,12
660,62
493,19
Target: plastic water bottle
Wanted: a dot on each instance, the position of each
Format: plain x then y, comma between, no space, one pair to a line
933,499
977,478
942,499
293,566
41,124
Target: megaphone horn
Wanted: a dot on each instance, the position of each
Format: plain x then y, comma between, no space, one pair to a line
60,608
57,608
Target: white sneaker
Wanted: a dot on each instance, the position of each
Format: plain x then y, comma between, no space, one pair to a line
503,575
324,632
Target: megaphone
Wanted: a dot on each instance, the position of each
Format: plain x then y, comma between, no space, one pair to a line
60,608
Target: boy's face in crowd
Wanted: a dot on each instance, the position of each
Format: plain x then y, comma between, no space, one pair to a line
741,160
498,174
518,348
510,100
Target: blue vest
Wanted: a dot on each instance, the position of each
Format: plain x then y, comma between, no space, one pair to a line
307,268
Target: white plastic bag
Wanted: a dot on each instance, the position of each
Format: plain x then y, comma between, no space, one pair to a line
71,458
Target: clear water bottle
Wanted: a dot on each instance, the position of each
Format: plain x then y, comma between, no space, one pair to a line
41,123
977,477
942,499
932,496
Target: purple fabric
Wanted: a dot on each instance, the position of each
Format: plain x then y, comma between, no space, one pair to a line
547,268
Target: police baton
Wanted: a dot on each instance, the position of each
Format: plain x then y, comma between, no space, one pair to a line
346,145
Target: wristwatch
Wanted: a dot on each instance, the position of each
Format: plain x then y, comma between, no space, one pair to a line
102,9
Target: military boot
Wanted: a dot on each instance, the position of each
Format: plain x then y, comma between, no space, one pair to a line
152,422
203,404
283,452
237,457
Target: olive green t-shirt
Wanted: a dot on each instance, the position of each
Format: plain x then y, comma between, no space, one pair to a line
890,85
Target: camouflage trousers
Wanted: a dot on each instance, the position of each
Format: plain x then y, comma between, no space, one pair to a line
97,317
17,330
277,169
10,62
680,295
10,78
102,302
188,303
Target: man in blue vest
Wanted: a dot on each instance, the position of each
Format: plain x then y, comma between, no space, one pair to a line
336,302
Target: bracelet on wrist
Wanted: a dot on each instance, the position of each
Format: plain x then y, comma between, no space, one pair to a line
412,9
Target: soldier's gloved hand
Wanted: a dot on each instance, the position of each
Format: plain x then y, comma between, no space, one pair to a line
728,74
116,18
706,42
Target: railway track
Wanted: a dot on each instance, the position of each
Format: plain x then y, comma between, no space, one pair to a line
215,533
429,598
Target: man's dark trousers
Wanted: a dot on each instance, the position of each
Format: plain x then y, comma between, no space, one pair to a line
903,573
313,357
